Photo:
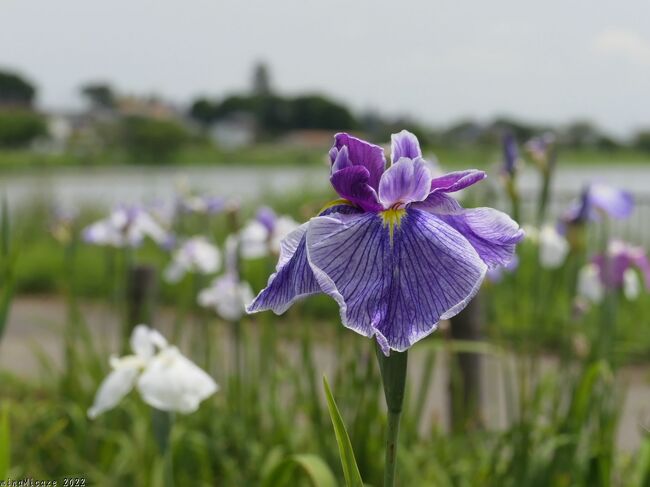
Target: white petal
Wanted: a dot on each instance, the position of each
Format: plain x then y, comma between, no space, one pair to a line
145,340
254,240
589,284
171,382
284,225
553,248
631,284
111,391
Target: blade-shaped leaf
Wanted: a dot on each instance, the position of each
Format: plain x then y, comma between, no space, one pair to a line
4,442
349,463
312,466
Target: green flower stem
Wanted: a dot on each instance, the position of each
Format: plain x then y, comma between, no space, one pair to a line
163,423
393,373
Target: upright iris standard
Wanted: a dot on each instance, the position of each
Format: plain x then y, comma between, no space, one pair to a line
396,252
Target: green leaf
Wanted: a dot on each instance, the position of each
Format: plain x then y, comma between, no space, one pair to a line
4,442
349,463
312,466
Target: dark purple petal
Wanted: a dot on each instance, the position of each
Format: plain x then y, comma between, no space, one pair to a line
340,159
404,144
351,184
455,181
405,181
293,277
396,289
362,153
492,233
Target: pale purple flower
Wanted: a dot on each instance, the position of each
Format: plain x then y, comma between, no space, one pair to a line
204,204
399,254
263,234
195,255
540,147
596,200
126,226
228,294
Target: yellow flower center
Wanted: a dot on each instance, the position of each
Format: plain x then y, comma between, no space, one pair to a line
392,218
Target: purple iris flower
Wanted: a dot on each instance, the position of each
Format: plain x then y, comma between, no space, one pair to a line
598,199
540,147
619,258
397,252
510,154
267,217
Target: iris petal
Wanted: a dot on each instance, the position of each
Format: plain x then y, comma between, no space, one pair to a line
455,181
396,290
352,183
492,233
405,181
362,153
293,278
404,144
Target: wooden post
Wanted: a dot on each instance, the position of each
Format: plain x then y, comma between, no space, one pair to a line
141,290
465,369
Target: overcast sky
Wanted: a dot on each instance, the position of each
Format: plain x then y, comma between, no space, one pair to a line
438,61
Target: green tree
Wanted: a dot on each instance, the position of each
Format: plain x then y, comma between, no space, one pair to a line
99,95
15,90
149,140
18,128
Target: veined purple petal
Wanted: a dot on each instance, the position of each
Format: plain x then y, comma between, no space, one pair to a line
396,289
492,233
340,158
455,181
293,278
404,144
362,153
352,184
405,181
439,203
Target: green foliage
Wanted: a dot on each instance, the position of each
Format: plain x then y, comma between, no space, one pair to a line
99,95
5,441
15,90
20,127
284,473
349,463
148,140
276,115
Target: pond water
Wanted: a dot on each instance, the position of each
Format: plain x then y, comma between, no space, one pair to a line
106,186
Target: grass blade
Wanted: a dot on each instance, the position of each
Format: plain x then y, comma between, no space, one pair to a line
4,442
349,463
312,466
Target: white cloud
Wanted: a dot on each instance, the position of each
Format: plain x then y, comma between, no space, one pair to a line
623,43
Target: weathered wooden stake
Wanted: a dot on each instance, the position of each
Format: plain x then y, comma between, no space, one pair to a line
141,291
465,369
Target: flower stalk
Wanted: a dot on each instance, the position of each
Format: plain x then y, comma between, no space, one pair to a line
393,374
